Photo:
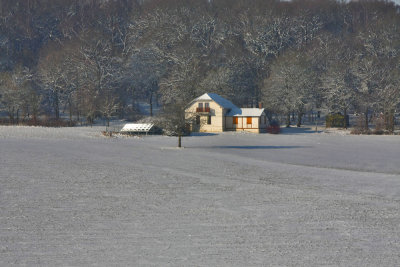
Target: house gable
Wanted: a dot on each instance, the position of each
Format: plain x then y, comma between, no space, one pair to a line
222,102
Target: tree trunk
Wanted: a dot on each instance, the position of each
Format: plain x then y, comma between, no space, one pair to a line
78,116
392,121
299,117
288,120
11,115
389,121
34,117
156,100
70,110
90,120
133,98
56,105
151,104
179,140
17,116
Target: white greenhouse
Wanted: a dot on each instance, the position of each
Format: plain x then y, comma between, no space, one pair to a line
140,128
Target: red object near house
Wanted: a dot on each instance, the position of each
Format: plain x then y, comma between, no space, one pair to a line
274,128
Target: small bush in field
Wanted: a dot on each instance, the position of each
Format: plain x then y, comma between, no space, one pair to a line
379,125
337,120
360,127
107,133
274,128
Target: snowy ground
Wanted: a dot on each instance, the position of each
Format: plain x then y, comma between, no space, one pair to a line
71,197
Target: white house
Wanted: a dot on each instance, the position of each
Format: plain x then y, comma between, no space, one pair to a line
214,113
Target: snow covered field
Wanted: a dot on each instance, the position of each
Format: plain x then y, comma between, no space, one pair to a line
71,197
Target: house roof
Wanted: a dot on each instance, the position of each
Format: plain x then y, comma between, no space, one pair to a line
137,127
218,99
245,112
233,110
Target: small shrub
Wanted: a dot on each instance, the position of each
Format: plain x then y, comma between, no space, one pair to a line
5,121
379,129
360,127
107,133
274,128
379,125
358,131
337,120
378,132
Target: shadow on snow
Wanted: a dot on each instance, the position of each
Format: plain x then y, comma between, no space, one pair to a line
284,131
194,134
254,147
300,130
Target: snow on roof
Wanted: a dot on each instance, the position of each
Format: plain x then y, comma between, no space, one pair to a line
234,110
137,127
218,99
246,112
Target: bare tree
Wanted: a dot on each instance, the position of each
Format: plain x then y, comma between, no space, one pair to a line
52,71
290,85
17,94
175,121
101,73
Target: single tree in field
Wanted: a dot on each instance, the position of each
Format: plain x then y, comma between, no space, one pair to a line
174,121
109,105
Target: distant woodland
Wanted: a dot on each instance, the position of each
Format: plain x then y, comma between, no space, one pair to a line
98,58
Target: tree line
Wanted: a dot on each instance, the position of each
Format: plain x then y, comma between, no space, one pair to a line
92,59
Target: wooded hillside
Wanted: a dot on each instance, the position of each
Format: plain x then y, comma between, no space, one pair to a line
99,58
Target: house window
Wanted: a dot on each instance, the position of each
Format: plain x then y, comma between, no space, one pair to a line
200,108
235,120
206,107
197,120
249,120
209,120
